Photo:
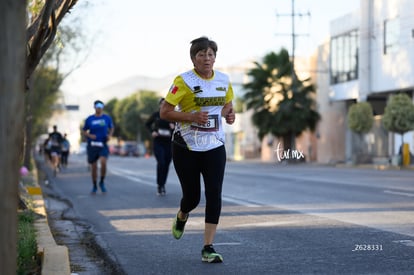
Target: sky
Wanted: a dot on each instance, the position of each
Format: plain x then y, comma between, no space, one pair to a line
152,38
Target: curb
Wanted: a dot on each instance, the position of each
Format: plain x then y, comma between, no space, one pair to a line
376,166
54,258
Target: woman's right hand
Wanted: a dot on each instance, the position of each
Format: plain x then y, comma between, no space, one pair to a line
200,117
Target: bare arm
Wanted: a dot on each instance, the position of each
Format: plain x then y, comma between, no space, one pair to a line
111,132
86,134
226,108
228,113
168,112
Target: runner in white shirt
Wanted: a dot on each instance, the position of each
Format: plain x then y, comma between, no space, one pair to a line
197,101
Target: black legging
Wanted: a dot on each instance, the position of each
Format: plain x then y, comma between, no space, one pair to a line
162,152
210,164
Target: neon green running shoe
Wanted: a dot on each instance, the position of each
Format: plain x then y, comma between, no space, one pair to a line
209,255
178,227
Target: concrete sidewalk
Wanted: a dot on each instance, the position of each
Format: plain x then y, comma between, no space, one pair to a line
54,229
54,257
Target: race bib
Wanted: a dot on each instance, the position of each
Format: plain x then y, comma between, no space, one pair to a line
97,143
211,125
164,132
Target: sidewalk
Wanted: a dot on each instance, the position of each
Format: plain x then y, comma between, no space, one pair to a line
376,166
54,257
338,165
64,244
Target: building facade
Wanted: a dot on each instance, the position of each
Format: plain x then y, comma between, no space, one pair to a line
369,57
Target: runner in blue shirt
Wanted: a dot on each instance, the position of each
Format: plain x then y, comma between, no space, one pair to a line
98,129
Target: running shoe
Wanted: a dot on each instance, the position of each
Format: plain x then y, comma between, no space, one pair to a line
161,191
209,255
178,227
94,190
102,186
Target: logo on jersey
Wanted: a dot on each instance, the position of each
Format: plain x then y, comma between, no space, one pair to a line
221,89
197,89
173,89
210,101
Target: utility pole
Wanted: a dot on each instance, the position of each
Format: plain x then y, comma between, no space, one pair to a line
293,36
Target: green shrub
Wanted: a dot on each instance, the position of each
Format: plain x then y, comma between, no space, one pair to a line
360,117
399,114
27,260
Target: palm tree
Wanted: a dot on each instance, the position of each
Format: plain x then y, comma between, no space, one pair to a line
283,105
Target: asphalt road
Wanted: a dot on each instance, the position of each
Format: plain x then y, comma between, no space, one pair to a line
276,219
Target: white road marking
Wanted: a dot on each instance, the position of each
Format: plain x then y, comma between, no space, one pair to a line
399,193
405,242
221,244
131,176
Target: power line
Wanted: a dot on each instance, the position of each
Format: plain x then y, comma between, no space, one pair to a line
293,35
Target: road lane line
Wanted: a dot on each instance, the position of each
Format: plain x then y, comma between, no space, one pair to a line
127,174
399,193
241,202
405,242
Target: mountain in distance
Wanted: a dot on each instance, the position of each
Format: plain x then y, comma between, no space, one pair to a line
130,85
124,88
161,85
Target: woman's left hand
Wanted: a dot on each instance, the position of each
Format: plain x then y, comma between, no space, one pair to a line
230,117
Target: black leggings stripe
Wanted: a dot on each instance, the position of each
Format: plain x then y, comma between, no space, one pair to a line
189,165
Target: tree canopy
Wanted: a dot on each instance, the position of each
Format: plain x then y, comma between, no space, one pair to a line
130,113
46,83
399,114
283,105
44,17
360,117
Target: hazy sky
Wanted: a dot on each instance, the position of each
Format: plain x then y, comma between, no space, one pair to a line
151,38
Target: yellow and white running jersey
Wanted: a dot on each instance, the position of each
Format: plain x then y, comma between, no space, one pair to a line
191,93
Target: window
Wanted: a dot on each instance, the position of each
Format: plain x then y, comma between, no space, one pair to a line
344,57
391,35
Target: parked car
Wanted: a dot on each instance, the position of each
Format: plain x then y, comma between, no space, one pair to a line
114,149
129,149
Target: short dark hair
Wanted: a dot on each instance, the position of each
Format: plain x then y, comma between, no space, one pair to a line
202,43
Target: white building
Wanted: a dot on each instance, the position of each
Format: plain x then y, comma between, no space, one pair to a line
369,57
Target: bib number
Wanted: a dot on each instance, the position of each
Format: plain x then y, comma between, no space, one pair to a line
97,143
164,132
211,125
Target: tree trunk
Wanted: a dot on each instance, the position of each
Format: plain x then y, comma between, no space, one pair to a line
28,140
12,87
28,125
293,141
360,153
288,142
